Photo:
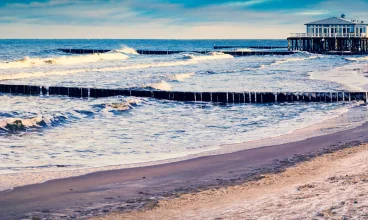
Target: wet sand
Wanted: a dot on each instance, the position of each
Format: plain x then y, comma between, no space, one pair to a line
124,190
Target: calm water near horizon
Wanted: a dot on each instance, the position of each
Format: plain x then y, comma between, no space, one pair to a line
56,133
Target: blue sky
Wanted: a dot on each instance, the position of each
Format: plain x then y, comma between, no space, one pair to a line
184,19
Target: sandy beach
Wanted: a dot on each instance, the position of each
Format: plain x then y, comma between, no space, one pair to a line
126,190
331,186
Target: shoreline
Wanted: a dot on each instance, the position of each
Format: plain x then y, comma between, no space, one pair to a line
102,192
333,185
338,122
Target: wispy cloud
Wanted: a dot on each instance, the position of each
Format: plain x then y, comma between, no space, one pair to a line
36,4
312,13
247,3
167,18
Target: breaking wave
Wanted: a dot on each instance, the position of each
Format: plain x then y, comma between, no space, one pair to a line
293,60
63,60
13,125
127,50
357,58
181,77
163,85
84,70
208,56
243,49
126,105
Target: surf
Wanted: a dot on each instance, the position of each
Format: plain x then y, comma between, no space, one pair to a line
208,56
62,60
15,125
126,50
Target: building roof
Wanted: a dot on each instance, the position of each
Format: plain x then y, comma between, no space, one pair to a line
335,21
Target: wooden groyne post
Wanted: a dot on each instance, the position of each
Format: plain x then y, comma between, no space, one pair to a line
169,52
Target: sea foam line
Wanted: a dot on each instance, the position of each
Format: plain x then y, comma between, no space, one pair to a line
107,69
63,60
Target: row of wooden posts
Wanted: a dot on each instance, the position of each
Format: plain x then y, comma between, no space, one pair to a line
251,47
168,52
233,53
221,97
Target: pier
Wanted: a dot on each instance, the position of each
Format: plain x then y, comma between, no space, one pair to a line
215,97
335,36
349,45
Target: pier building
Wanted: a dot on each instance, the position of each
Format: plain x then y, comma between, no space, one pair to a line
331,34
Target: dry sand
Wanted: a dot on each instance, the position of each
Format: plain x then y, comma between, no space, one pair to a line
331,186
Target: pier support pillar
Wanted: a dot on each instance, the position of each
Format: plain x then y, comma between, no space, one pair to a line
336,44
296,45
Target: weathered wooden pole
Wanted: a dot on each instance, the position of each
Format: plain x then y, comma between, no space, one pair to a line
336,44
296,45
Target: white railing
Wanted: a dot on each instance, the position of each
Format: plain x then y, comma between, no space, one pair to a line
328,35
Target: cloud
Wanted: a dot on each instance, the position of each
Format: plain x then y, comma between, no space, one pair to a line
166,18
41,4
312,13
147,30
247,3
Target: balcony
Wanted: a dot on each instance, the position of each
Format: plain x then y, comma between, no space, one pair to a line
347,35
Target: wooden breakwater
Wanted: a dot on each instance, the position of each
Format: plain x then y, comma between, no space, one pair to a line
220,97
83,51
168,52
233,53
251,47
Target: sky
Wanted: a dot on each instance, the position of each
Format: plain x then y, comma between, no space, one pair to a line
168,19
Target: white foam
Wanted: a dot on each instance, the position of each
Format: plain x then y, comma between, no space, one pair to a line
127,50
351,76
84,70
181,77
163,85
19,123
357,58
243,49
293,60
63,60
208,56
123,106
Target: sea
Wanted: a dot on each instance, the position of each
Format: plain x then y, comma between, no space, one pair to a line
41,134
